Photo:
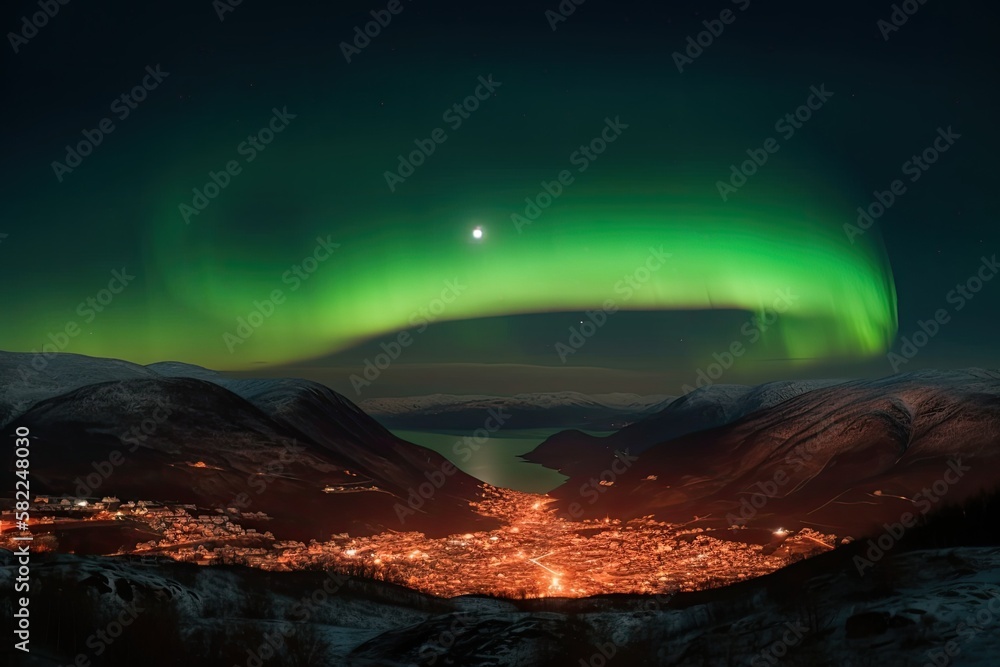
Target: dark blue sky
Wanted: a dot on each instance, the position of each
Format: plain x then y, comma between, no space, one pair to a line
938,70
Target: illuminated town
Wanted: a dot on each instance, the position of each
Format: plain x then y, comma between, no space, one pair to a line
534,553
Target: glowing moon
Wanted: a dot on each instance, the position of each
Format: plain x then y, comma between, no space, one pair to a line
477,233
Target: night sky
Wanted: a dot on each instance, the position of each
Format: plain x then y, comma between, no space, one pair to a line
499,206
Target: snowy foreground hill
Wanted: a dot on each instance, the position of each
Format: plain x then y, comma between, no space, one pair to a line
912,608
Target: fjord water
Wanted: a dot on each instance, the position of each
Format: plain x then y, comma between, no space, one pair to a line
495,459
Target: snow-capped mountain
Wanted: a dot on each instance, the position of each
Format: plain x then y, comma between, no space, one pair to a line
184,433
845,456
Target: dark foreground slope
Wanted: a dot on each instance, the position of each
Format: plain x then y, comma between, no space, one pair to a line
905,609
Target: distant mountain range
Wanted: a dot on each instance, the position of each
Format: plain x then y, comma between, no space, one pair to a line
567,409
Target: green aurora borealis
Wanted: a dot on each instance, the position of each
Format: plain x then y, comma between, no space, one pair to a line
574,257
323,177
